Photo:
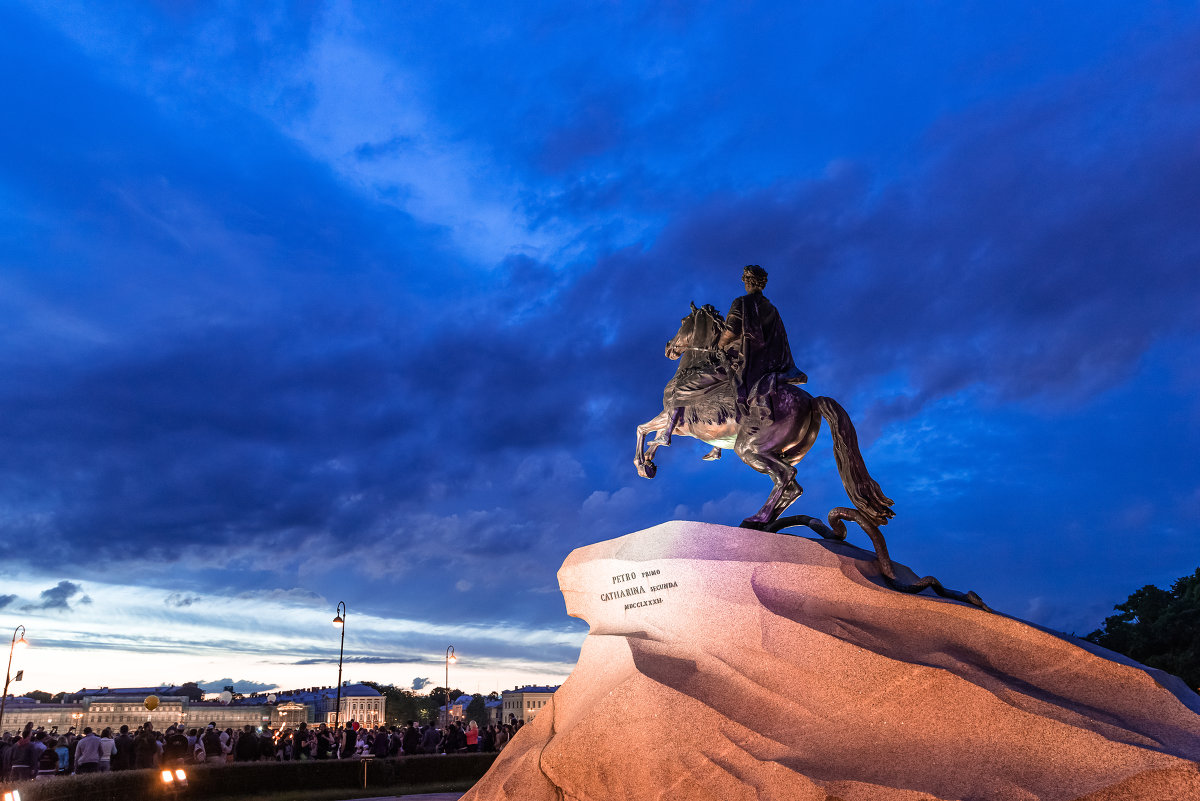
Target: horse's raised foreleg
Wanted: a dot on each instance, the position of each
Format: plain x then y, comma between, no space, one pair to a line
662,437
643,459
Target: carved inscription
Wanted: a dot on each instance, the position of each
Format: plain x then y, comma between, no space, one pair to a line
632,585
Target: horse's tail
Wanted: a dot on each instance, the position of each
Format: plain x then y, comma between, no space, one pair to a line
863,490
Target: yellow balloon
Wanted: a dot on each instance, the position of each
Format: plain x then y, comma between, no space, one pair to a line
151,702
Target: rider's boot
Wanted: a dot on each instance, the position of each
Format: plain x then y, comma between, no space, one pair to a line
712,455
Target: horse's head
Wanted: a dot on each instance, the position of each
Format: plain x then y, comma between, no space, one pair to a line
700,329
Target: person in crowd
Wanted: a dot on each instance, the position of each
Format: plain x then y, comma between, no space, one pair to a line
123,755
395,741
63,751
308,742
193,737
487,740
285,746
300,746
38,744
108,747
349,741
66,744
410,741
266,745
472,736
23,761
366,739
199,754
381,746
246,747
48,762
324,742
214,751
145,748
6,745
430,738
87,752
5,754
176,749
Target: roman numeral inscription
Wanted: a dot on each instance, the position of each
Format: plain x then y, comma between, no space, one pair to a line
634,586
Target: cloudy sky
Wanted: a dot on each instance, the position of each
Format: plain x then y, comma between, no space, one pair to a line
313,302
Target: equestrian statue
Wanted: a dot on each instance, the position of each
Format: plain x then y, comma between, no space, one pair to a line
737,387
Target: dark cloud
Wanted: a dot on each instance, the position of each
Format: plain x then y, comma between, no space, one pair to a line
296,595
59,598
364,660
370,151
5,600
421,684
240,686
299,386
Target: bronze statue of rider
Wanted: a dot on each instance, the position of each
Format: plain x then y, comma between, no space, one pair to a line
754,347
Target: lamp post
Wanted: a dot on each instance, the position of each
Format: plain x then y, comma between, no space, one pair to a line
21,643
450,657
340,622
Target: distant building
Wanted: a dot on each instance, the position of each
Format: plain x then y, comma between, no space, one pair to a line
495,710
19,711
130,710
359,702
523,703
125,706
363,704
458,709
289,714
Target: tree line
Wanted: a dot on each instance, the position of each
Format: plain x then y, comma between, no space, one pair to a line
1159,628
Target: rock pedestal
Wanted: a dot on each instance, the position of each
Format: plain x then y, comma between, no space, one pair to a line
726,664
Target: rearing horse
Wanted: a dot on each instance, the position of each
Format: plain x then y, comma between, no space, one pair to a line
773,445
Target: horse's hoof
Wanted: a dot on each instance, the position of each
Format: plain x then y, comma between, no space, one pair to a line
647,469
757,525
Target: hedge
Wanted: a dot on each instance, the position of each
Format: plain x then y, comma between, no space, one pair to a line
224,781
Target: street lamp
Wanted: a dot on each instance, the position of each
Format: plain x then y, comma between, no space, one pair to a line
450,658
340,622
21,643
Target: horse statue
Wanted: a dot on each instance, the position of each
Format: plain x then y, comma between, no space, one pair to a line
701,402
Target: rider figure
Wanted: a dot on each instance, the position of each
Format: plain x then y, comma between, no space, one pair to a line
755,346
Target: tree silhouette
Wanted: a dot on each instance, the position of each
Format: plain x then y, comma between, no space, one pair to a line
1159,628
191,690
477,710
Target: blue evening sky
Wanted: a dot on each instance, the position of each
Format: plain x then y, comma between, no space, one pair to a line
303,302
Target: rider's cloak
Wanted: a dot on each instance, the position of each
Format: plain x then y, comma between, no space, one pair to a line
764,356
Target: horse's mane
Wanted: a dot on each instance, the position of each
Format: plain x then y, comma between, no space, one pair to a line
699,371
715,318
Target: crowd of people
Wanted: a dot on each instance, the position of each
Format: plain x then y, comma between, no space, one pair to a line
36,752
